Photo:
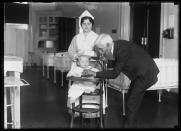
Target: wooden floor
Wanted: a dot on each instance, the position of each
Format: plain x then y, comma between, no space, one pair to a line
43,105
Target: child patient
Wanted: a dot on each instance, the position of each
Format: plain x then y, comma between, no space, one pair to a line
79,87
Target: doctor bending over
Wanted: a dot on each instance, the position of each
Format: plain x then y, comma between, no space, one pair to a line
135,63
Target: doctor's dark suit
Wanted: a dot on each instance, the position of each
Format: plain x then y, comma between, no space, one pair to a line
139,67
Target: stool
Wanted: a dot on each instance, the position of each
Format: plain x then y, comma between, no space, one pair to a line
79,108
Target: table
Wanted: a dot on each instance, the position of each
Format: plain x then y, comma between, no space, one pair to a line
15,64
62,62
48,60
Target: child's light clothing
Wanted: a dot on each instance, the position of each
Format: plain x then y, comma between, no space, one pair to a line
78,88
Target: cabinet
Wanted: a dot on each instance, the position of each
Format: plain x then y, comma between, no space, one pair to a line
58,29
48,28
45,30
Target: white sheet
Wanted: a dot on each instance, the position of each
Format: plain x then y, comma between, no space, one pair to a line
167,78
48,59
62,61
13,63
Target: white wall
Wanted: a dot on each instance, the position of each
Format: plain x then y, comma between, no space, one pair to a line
169,47
16,40
107,16
108,19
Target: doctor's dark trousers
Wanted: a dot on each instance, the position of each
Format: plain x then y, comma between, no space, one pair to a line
135,96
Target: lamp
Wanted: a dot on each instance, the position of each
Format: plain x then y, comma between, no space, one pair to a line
46,44
169,32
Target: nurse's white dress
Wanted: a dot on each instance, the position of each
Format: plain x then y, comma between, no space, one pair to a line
78,88
81,43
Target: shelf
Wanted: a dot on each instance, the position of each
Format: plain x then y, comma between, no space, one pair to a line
55,23
53,20
48,28
43,26
43,19
43,37
52,27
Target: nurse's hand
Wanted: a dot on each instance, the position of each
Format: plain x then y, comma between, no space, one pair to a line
75,57
88,73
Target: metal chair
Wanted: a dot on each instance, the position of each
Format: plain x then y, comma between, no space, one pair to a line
82,110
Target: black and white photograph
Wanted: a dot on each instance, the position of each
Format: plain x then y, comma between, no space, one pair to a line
91,65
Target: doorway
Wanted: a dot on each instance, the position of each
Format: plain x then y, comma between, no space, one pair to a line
145,26
67,30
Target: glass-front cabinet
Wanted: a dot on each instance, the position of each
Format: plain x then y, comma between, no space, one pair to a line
45,33
48,28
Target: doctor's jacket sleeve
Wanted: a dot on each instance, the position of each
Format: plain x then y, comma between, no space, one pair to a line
120,62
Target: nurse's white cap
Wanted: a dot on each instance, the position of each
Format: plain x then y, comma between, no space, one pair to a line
85,13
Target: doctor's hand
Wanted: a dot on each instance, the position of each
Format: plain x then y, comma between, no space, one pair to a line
88,73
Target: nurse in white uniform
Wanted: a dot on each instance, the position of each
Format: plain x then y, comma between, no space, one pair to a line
84,41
